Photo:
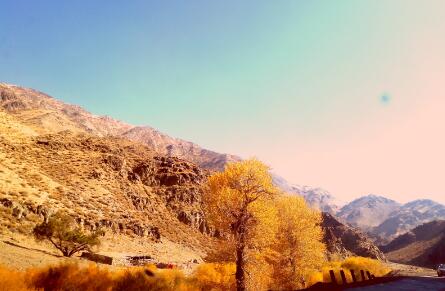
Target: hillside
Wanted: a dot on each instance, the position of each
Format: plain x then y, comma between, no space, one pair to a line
109,182
422,246
343,241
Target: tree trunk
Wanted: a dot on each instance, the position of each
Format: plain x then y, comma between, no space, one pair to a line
240,270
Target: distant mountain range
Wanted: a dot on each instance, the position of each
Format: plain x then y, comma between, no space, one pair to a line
408,216
382,218
386,219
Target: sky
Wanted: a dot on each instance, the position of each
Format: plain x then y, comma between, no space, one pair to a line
343,95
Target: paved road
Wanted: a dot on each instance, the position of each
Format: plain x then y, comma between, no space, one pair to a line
408,284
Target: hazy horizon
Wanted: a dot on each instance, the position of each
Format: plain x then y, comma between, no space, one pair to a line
345,96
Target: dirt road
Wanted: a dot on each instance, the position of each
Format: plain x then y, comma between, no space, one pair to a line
407,284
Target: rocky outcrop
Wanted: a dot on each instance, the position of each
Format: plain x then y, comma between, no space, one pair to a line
168,172
342,240
22,209
194,219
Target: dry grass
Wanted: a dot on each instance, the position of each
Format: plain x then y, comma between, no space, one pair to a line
70,276
11,280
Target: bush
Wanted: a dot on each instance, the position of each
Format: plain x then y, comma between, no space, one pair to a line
64,234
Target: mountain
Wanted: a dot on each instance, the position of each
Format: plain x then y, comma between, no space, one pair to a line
343,241
317,198
368,211
48,115
422,246
122,186
409,216
131,181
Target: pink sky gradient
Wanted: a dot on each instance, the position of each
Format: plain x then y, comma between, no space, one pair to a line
395,149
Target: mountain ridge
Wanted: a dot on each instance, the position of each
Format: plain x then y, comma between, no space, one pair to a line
56,116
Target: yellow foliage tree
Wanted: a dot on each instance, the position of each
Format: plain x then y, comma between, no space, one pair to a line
299,248
238,203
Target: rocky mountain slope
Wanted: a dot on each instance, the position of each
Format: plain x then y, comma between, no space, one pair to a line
49,115
407,217
121,186
422,246
368,211
343,241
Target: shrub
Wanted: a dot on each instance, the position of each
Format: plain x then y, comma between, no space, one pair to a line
64,234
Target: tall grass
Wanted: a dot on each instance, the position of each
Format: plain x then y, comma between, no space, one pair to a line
209,276
71,277
12,280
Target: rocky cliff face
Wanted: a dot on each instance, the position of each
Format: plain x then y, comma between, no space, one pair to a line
342,240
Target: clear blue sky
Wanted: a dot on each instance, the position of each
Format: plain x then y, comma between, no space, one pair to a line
310,87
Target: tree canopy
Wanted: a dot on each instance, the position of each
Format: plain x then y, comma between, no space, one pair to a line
274,238
299,250
237,202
